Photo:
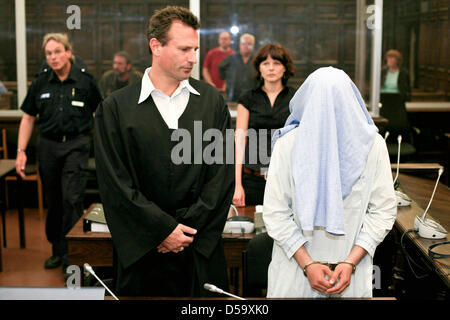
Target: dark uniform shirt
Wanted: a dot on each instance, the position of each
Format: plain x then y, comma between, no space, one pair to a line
263,116
64,107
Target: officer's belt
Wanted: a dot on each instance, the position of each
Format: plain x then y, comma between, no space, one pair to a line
62,137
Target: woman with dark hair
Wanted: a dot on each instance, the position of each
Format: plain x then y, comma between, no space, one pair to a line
261,111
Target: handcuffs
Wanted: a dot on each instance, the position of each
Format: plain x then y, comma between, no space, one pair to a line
332,266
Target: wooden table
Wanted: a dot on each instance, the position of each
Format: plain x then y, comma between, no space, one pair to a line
6,167
417,166
420,191
438,106
96,248
10,118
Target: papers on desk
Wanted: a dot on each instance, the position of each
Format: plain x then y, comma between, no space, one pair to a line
99,227
94,220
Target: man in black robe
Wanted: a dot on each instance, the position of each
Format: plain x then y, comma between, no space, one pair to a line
166,218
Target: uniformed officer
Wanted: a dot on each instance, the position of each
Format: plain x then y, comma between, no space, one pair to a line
65,98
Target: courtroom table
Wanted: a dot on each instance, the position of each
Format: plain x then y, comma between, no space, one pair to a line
420,190
6,167
425,106
10,118
96,248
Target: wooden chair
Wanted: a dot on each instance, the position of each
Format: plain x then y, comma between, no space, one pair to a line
255,265
394,110
31,172
5,100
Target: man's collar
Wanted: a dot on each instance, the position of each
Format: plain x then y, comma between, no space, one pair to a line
147,87
72,75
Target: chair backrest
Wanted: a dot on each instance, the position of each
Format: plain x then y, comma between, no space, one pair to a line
3,145
255,264
11,141
5,100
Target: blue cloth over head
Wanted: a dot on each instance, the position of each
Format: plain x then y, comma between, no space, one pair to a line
335,134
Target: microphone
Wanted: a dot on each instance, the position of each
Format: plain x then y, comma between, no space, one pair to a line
432,195
213,288
429,228
236,212
402,199
386,135
399,140
91,271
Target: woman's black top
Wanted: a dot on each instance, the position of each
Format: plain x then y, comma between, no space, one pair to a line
263,121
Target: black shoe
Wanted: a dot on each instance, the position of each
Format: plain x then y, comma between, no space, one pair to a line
53,262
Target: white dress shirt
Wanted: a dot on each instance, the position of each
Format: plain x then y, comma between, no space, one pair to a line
170,108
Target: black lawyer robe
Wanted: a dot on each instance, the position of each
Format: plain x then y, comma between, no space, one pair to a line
145,195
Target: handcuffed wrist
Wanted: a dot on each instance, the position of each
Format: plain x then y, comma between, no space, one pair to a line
309,264
350,263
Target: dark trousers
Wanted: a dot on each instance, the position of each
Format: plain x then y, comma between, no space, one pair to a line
170,274
254,187
63,169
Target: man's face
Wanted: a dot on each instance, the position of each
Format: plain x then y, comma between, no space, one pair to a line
246,46
57,56
224,40
178,56
120,65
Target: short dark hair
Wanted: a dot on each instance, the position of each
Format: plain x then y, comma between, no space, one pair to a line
277,52
125,55
160,22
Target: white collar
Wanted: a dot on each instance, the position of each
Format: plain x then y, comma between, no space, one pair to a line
147,87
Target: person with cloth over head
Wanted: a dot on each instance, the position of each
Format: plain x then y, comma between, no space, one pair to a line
329,198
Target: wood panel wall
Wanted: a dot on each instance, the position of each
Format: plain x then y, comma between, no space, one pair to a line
318,33
426,57
107,26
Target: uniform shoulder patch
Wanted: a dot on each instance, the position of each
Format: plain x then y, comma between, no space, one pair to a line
86,72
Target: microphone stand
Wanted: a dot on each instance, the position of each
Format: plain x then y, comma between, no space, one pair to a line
213,288
91,271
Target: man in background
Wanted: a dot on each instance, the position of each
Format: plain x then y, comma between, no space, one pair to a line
65,98
237,69
213,58
75,60
121,75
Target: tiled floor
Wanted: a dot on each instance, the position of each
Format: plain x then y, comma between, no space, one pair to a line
25,267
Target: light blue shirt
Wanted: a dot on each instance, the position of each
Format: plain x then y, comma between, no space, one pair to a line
390,85
3,89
